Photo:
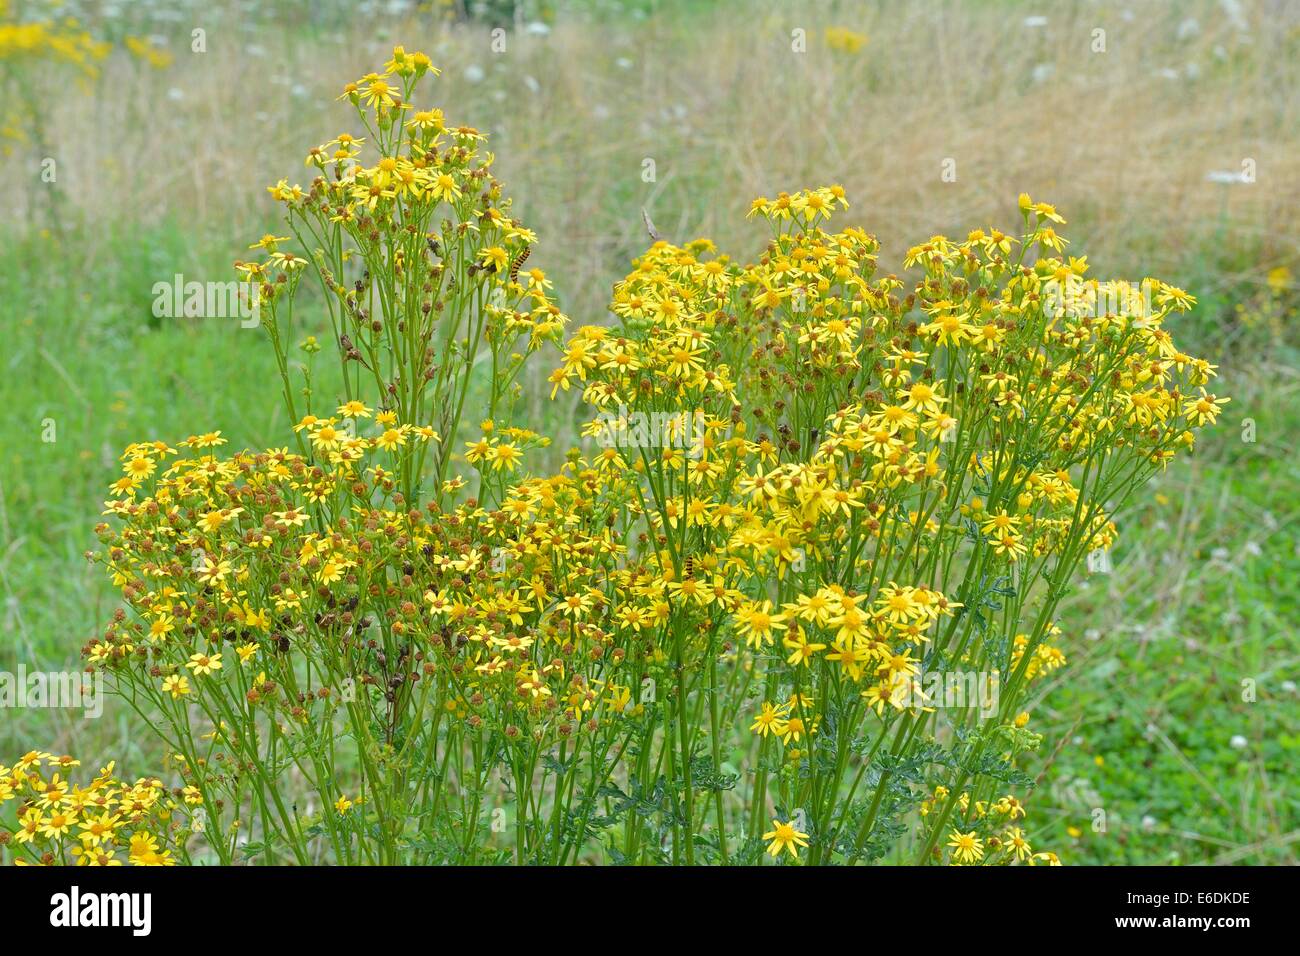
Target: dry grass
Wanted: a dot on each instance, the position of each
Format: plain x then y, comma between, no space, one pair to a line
1122,141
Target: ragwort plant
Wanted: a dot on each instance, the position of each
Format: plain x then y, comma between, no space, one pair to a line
790,597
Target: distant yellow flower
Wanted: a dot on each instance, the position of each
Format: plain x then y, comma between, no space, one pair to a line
845,40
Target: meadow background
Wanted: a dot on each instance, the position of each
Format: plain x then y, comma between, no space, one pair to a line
1174,152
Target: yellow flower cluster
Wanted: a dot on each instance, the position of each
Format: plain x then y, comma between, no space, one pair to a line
103,823
994,832
63,41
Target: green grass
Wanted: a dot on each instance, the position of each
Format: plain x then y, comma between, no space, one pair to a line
1178,714
86,356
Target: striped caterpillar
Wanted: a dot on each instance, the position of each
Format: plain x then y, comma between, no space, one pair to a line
519,261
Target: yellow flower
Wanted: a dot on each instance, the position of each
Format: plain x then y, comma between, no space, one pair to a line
495,257
204,664
354,409
444,187
756,623
1204,410
783,836
505,457
802,650
768,720
391,439
966,847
